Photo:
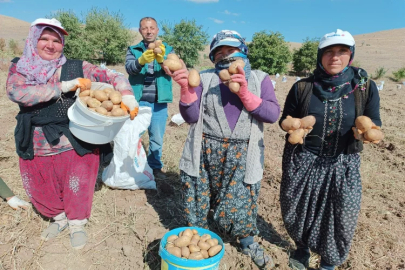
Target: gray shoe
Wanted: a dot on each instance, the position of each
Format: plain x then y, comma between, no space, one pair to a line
52,231
78,239
256,252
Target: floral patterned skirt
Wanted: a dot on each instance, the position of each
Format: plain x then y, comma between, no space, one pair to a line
320,201
221,189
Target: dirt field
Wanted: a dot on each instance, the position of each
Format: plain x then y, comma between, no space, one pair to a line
126,226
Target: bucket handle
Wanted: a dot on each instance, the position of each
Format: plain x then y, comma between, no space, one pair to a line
105,124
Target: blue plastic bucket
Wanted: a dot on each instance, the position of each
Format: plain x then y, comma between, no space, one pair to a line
171,262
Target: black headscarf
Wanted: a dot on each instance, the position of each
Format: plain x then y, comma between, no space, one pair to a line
332,87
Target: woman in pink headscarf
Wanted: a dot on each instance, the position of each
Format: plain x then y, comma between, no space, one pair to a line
58,170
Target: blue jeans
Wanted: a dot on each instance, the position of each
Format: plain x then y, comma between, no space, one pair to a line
156,131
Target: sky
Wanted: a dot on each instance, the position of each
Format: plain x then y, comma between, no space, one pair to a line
294,19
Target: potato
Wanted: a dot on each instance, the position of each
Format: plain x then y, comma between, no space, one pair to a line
84,99
307,122
84,93
151,46
297,136
290,123
157,50
233,68
172,56
107,104
93,103
196,256
171,238
117,112
185,252
91,93
224,75
212,242
115,97
234,87
194,78
204,253
101,110
203,245
193,248
158,42
169,244
188,232
205,237
173,65
108,91
182,241
195,232
175,251
363,123
100,96
214,250
116,106
373,135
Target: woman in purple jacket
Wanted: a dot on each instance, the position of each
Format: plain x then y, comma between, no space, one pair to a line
222,162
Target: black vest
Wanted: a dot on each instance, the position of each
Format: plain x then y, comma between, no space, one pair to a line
304,96
52,117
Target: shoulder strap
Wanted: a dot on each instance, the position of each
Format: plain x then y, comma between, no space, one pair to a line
304,94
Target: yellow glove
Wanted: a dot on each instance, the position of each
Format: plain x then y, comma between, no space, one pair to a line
147,57
160,56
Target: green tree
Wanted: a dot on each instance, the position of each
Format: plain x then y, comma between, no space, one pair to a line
187,39
269,52
107,35
76,43
100,37
304,59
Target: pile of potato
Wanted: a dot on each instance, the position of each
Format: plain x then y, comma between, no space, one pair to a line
174,64
106,102
225,75
189,245
298,128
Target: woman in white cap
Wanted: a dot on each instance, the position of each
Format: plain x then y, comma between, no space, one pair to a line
321,187
58,170
222,162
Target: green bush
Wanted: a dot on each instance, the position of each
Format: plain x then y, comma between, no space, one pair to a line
379,73
399,74
269,52
100,37
187,39
304,59
2,44
14,47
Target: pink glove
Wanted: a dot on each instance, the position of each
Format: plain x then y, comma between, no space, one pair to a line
249,100
187,93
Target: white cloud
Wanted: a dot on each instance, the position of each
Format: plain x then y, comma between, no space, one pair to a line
203,1
216,20
136,29
243,22
227,12
234,21
5,1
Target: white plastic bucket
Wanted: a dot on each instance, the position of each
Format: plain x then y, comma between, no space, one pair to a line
92,127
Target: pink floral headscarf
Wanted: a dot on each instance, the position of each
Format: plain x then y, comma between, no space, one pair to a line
31,65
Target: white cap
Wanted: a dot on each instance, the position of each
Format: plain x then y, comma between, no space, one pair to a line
338,37
51,22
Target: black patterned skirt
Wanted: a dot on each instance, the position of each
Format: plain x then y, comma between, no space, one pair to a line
220,188
320,201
